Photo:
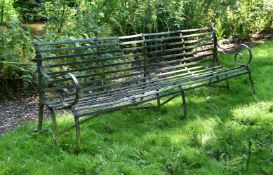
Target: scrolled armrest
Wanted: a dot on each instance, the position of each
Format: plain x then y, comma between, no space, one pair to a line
64,91
238,54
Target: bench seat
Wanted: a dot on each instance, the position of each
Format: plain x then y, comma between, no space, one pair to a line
169,83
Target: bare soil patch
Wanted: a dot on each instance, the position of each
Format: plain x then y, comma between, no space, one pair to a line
12,113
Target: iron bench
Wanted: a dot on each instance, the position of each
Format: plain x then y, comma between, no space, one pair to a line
98,75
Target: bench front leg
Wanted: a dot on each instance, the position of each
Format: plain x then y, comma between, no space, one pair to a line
251,81
40,115
54,126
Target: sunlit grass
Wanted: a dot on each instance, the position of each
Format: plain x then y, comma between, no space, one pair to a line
226,132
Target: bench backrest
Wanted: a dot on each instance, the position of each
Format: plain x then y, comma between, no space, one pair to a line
107,63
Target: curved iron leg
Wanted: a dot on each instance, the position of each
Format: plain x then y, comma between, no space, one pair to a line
77,127
251,81
54,125
40,116
184,102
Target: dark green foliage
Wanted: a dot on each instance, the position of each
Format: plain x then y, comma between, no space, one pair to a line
16,69
232,19
31,10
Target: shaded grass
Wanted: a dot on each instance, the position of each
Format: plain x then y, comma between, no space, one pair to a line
226,132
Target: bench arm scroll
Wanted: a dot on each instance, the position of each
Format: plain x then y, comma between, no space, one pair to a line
64,91
238,55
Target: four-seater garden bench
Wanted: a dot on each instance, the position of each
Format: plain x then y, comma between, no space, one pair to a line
98,75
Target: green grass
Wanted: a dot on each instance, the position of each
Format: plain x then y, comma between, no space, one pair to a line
226,132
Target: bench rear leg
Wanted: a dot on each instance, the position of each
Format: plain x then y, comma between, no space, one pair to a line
227,82
158,100
54,126
78,136
184,102
40,116
251,82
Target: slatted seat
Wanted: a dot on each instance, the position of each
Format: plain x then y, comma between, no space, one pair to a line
97,75
132,96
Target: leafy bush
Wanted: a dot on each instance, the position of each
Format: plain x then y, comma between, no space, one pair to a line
232,19
16,70
243,18
7,12
30,10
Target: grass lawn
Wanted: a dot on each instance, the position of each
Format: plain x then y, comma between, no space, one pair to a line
226,132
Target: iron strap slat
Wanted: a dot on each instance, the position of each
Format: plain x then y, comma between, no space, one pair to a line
202,73
142,84
170,55
192,87
79,114
111,51
151,85
93,60
162,63
177,49
117,38
120,43
183,76
91,53
96,74
93,82
96,81
93,67
88,47
155,91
